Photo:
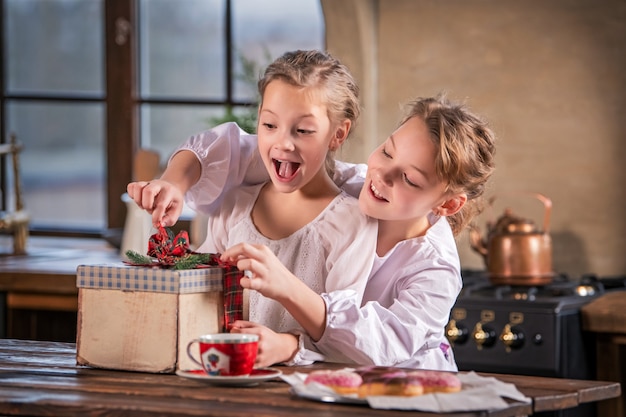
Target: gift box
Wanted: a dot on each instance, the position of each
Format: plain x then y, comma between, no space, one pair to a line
142,318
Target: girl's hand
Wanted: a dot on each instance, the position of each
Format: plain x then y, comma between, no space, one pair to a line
266,275
273,347
160,198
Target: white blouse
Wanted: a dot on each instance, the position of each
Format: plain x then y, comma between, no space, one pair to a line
406,306
332,252
400,319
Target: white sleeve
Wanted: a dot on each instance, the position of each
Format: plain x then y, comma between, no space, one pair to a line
350,177
351,246
398,334
234,208
306,354
229,157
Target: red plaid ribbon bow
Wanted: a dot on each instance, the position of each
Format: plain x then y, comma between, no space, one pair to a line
233,296
169,250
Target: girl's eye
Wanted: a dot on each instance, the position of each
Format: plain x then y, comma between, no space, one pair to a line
384,151
268,125
305,132
408,181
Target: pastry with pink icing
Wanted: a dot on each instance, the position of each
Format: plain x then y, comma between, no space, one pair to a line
343,382
437,381
391,383
383,380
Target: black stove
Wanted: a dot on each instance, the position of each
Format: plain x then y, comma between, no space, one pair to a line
527,330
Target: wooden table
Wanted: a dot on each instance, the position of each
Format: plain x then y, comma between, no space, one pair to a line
39,288
49,265
606,319
42,379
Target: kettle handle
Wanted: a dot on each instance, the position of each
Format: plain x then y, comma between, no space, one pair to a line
547,203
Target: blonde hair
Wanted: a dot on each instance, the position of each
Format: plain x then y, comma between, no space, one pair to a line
320,71
465,150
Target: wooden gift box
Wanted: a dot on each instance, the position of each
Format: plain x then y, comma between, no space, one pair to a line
141,319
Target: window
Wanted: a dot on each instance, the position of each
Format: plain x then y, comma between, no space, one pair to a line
87,82
53,78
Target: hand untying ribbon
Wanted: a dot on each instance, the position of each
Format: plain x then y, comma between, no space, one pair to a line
173,252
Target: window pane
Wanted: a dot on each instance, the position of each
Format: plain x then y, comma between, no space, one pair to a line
62,163
264,30
182,48
66,35
165,127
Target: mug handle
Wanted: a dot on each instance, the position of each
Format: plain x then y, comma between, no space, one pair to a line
190,355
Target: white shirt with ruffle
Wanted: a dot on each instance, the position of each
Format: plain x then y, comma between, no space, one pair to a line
332,252
400,318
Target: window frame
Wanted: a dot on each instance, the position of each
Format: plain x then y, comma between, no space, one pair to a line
122,102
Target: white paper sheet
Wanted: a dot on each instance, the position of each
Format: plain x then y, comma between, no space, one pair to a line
477,393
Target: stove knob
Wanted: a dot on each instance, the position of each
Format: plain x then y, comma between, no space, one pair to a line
484,336
512,337
456,333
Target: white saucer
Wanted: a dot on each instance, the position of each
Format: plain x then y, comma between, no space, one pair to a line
257,376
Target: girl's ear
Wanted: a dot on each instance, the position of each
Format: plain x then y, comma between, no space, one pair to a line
341,134
452,205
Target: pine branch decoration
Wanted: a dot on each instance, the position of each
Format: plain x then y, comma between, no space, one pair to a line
138,259
193,261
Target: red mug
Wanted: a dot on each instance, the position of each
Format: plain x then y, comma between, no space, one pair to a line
226,354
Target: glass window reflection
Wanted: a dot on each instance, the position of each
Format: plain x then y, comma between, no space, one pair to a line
182,49
62,162
66,35
264,30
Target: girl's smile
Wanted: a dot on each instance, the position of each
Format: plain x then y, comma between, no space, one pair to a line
376,194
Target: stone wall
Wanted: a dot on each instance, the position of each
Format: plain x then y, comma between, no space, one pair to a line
551,78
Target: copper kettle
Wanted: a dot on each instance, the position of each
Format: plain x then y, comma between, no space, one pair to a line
515,250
